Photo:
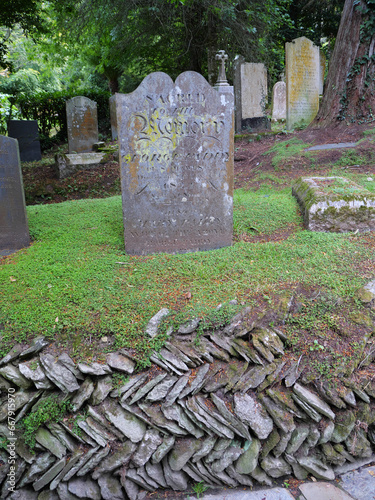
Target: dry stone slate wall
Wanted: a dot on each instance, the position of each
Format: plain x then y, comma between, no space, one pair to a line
230,410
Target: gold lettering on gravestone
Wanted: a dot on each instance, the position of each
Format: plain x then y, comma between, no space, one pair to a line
176,156
302,59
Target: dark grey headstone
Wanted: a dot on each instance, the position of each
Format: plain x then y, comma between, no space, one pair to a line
256,123
82,121
176,157
14,231
26,132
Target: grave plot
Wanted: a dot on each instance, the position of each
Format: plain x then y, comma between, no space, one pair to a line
335,204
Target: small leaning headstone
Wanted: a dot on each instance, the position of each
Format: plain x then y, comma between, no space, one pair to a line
303,82
27,134
279,101
14,231
82,121
176,158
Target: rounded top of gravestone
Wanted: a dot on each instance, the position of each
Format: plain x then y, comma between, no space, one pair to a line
80,101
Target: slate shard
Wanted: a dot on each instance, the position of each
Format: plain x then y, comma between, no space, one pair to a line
176,158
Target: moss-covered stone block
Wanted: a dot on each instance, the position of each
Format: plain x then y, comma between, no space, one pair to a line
335,204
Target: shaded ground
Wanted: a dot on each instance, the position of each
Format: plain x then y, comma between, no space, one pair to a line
252,167
252,164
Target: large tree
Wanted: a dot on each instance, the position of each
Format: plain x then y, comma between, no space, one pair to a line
139,36
349,93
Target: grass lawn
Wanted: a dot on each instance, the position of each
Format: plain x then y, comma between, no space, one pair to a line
75,283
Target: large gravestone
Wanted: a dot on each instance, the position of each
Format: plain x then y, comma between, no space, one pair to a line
302,59
14,232
250,81
26,132
279,101
176,157
82,120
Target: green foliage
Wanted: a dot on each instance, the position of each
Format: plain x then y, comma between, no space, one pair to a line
285,150
263,212
7,111
24,81
51,409
199,488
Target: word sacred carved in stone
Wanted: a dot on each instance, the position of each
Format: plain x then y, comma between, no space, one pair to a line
176,154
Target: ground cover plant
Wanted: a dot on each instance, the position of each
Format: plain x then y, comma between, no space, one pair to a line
76,285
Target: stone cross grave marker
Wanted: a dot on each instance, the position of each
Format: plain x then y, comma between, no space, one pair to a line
26,132
303,82
14,231
279,101
82,120
176,158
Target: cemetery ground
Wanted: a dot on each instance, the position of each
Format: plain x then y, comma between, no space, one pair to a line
76,285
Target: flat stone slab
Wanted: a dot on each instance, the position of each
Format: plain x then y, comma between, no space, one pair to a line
323,491
335,204
70,164
265,494
360,484
339,145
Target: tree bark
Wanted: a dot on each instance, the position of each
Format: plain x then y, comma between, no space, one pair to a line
349,88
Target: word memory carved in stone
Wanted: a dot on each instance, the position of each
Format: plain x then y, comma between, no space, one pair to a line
176,157
303,82
82,120
14,232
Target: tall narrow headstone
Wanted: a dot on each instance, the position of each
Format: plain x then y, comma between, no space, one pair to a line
302,60
251,79
26,132
14,231
279,101
113,118
82,121
176,158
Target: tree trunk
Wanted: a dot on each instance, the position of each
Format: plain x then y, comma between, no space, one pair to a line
113,85
349,88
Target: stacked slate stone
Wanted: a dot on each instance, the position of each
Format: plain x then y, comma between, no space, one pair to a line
227,410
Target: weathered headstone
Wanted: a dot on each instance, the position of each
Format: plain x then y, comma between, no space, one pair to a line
82,120
252,80
26,132
176,158
14,232
302,82
279,101
113,118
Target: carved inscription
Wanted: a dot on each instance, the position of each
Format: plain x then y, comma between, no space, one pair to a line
302,81
176,152
82,120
